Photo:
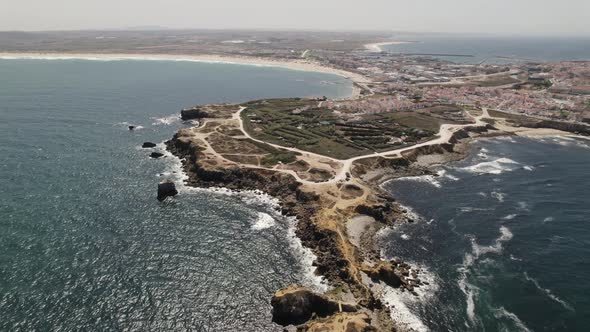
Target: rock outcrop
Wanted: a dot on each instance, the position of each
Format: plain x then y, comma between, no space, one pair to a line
576,128
395,274
296,305
193,113
146,145
166,189
156,155
384,271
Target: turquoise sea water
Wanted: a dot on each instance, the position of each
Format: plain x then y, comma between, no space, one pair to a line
504,236
85,245
489,49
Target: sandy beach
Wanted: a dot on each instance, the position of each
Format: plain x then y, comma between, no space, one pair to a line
302,65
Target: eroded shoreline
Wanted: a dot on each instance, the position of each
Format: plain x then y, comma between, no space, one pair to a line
323,212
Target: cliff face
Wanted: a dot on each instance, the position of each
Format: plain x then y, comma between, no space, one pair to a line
296,305
330,262
323,211
319,227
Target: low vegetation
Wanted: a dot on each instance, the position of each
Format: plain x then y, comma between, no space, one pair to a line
303,124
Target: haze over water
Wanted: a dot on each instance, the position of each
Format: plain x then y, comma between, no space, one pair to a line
494,50
84,244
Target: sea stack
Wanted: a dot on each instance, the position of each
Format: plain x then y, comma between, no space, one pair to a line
148,145
166,189
156,155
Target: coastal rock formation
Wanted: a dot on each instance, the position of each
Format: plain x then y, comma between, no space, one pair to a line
296,305
384,271
156,155
385,213
131,127
322,211
576,128
341,322
193,113
146,145
166,189
395,274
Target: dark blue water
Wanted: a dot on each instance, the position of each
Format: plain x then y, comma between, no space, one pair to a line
84,244
497,50
504,235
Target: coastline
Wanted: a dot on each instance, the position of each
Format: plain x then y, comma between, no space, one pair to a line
346,256
410,154
299,65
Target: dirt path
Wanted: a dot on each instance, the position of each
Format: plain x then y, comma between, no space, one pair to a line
444,135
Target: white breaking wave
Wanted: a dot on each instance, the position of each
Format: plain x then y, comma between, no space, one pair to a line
430,179
498,195
501,312
510,217
548,219
523,206
444,174
167,120
434,180
496,248
255,197
471,209
403,303
469,259
548,292
411,214
306,257
400,312
497,166
263,221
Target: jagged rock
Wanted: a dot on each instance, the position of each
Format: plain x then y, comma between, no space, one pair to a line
166,189
146,145
156,155
193,113
383,271
296,305
384,213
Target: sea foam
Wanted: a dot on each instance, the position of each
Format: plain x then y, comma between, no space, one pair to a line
548,292
263,221
502,312
497,166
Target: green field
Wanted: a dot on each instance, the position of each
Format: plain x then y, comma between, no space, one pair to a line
300,123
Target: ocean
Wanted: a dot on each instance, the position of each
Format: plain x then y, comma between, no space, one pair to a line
504,238
494,50
85,245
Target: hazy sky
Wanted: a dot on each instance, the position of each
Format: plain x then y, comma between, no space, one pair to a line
477,16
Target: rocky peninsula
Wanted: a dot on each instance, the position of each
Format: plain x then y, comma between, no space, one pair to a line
327,194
